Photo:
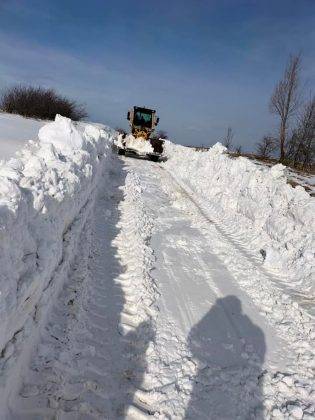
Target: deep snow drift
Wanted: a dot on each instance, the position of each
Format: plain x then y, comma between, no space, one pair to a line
276,220
45,196
15,132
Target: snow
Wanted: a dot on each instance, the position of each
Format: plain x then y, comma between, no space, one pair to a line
247,282
46,195
168,290
62,134
276,221
15,132
140,145
307,181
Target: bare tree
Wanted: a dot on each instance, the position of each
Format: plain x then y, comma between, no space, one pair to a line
238,149
301,146
285,99
266,146
308,124
227,140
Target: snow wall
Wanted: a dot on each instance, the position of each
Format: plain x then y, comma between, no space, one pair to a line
46,195
257,204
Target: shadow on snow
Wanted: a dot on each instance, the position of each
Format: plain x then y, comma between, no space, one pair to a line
230,351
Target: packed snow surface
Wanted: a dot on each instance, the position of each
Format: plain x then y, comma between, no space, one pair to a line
15,132
151,290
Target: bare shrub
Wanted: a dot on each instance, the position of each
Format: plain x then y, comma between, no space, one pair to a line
285,99
37,102
238,149
266,146
160,134
227,140
121,131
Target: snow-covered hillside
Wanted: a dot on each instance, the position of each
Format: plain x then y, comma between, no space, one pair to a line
15,132
132,289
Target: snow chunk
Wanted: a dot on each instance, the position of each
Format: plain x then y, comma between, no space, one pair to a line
62,133
139,144
296,412
278,171
217,149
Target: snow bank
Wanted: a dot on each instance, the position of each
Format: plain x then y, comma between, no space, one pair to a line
45,197
256,204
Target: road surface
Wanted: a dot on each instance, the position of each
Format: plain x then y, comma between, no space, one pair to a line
155,319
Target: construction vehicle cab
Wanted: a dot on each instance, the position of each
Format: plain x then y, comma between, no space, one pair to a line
142,121
142,124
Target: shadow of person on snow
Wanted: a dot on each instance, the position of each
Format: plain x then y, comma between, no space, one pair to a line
230,351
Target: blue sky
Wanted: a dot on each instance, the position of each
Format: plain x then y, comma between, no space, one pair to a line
203,64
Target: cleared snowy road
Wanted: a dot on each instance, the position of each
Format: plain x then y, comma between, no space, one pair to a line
158,318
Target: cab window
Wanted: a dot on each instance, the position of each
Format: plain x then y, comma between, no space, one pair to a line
143,119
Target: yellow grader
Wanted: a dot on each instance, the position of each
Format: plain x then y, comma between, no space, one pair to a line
142,123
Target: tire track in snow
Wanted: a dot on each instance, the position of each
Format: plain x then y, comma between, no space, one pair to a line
279,389
111,351
91,358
